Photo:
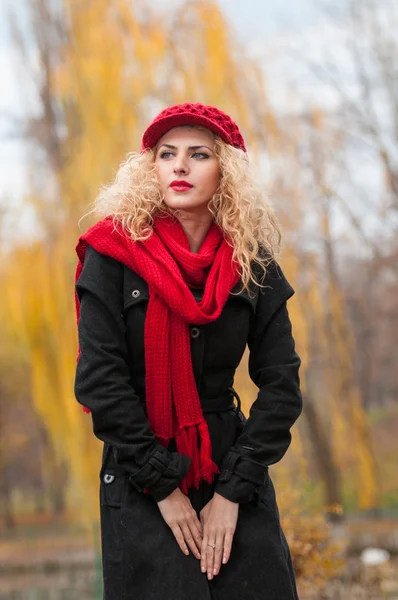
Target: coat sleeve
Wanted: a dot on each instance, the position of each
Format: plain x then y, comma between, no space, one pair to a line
103,382
274,368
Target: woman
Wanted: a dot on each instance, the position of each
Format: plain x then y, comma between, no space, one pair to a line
171,284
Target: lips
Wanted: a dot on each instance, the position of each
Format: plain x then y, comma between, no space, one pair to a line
181,186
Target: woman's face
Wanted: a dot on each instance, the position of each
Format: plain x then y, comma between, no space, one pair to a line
187,169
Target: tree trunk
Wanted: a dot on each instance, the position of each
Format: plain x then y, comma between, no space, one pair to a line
323,456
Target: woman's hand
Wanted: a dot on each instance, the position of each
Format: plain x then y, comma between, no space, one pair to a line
218,518
182,519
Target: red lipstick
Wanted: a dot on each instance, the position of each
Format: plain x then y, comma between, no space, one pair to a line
180,185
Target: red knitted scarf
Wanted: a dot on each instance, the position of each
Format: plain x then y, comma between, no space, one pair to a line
166,262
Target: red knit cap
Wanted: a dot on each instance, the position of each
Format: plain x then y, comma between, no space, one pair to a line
193,114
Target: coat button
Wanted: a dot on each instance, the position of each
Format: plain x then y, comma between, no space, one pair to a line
135,293
108,478
195,332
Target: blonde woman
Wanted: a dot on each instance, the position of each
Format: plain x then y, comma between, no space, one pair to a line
173,281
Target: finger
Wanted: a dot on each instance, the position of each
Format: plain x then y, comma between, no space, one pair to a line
189,539
210,556
218,554
180,538
199,525
195,524
196,534
203,555
229,536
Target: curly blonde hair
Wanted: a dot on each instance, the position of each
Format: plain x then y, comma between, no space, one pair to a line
239,207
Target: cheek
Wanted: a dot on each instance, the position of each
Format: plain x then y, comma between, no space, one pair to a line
214,179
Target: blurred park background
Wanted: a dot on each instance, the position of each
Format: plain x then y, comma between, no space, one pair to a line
314,88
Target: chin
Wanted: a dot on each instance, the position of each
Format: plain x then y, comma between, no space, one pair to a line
184,203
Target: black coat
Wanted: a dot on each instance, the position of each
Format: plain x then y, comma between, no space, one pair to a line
140,556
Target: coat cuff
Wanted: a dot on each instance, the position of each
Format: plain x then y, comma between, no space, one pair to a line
161,474
240,477
236,489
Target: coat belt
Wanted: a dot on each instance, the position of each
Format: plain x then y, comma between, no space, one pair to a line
221,403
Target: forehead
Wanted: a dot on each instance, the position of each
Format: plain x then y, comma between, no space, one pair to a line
187,136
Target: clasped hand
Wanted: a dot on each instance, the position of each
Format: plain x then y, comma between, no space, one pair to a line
210,538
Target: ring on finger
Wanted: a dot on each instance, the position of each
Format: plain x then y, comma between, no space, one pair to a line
212,546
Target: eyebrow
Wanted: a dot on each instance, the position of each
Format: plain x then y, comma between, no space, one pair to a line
189,148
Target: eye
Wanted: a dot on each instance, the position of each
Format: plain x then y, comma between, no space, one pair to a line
164,154
202,154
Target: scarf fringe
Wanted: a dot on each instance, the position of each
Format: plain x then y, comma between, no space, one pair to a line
194,441
208,466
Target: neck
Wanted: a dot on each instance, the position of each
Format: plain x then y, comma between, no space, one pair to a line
196,228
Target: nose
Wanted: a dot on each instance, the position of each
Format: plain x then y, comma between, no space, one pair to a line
180,165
